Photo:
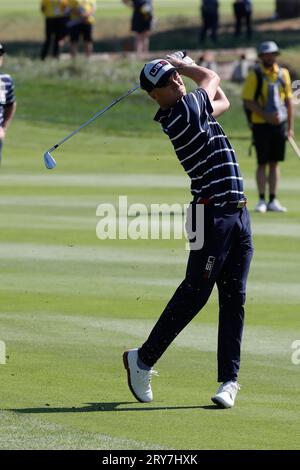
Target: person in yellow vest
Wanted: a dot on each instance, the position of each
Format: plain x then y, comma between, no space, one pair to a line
267,94
55,13
82,19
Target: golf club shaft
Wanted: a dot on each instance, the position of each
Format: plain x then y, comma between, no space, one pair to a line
94,117
294,146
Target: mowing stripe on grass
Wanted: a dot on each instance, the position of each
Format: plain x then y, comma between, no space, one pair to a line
282,228
277,292
53,201
116,254
18,431
128,180
89,254
41,328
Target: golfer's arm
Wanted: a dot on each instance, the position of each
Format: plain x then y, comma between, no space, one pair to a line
220,103
9,112
205,78
290,111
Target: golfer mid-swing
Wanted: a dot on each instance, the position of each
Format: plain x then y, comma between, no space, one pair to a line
216,182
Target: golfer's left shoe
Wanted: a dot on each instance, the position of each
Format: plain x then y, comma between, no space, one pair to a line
226,394
275,206
139,380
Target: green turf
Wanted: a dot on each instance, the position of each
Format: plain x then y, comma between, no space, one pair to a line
71,304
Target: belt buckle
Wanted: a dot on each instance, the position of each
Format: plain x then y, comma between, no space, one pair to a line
242,204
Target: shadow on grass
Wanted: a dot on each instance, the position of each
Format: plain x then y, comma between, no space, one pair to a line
110,406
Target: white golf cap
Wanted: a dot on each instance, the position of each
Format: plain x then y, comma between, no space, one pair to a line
155,74
268,47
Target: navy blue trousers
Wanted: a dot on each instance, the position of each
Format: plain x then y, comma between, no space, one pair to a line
223,260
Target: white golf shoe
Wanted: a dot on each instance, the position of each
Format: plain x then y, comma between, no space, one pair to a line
275,206
261,206
226,394
139,380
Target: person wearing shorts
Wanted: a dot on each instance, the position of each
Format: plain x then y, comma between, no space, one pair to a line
141,24
81,24
271,121
55,13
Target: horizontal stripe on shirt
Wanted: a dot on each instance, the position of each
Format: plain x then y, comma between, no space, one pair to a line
7,96
202,147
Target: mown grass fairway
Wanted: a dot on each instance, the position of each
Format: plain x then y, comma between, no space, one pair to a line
71,304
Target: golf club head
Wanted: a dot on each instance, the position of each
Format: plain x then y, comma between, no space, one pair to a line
50,163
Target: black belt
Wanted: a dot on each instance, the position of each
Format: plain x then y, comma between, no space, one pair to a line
238,204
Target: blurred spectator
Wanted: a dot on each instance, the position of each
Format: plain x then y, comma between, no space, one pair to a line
275,15
82,19
207,60
7,101
210,19
141,24
55,12
241,69
243,11
268,96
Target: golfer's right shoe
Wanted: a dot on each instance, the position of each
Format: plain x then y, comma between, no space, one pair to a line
226,394
261,206
139,380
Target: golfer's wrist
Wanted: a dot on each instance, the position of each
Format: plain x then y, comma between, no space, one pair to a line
184,68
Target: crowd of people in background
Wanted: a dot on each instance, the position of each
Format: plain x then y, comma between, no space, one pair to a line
242,10
71,19
74,19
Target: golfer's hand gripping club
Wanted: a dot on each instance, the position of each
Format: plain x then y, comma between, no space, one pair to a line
178,57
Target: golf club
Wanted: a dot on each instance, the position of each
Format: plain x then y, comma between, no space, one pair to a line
50,163
294,146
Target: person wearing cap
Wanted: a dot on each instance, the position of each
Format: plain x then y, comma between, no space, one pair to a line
223,257
141,24
271,121
7,102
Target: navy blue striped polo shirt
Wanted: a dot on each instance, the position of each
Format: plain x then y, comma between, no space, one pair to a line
7,96
202,148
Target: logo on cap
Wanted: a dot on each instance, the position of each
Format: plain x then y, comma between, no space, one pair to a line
154,71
